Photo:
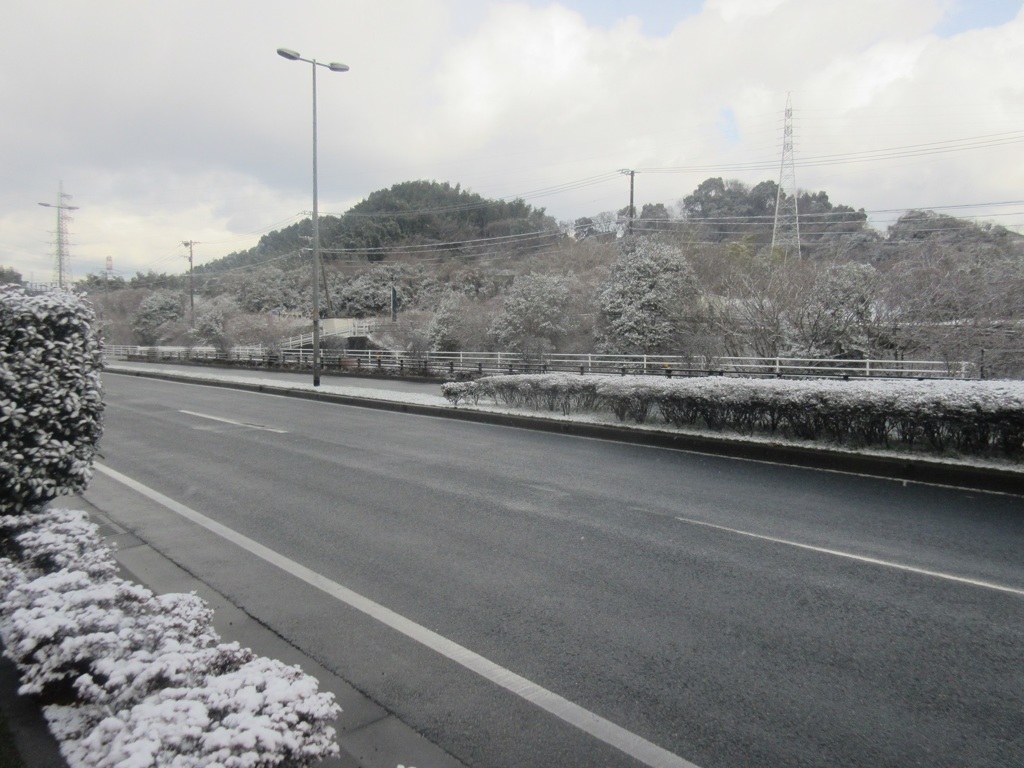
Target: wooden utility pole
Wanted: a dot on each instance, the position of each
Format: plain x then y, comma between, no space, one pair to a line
632,208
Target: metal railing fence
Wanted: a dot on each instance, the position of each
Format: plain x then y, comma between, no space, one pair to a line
456,364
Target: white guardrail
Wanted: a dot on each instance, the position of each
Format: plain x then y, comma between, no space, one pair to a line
463,363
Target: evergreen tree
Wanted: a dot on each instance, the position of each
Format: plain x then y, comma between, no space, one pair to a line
649,302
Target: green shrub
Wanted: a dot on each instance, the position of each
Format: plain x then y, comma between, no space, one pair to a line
50,398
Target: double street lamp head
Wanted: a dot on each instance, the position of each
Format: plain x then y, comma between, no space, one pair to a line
291,55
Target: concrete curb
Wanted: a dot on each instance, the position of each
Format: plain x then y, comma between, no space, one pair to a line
905,468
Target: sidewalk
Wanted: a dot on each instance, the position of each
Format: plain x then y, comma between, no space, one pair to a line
369,736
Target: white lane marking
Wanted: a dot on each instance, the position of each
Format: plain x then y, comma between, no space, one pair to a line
235,423
604,730
861,558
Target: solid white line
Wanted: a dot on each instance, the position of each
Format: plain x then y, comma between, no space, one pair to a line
601,729
861,558
235,423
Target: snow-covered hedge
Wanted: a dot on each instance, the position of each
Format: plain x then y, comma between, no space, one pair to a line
136,680
50,401
970,418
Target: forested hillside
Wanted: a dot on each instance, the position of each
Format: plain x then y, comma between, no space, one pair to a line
695,277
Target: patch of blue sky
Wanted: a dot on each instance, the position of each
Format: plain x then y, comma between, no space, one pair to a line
727,126
966,15
658,17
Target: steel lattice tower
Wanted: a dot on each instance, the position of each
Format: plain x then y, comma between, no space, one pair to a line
62,258
786,232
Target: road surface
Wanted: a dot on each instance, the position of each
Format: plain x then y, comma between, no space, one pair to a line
604,604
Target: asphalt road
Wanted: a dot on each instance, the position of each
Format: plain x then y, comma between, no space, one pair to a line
731,613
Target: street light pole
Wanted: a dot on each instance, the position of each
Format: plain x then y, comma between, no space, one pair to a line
334,67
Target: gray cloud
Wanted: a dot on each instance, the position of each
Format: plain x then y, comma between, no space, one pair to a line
176,120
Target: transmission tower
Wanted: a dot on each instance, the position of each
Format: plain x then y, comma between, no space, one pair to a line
62,259
786,232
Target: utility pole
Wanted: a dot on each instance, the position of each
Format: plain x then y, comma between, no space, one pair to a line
632,209
191,284
62,263
786,232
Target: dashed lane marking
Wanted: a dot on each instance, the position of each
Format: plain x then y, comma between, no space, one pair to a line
235,423
860,558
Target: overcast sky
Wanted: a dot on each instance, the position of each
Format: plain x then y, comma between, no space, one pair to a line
172,120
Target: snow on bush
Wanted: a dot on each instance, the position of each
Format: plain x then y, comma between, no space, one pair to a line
138,679
47,541
262,714
50,399
969,418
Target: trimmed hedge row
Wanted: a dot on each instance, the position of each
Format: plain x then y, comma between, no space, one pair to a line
129,678
968,418
51,405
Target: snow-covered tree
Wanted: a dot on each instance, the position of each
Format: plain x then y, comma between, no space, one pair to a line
211,323
754,292
443,331
270,288
835,315
539,314
650,302
156,312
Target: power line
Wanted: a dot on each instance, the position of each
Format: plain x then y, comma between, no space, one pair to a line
889,153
